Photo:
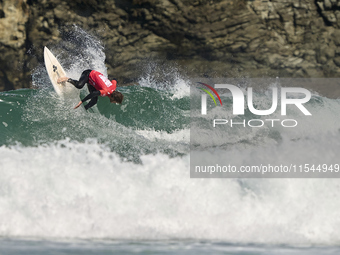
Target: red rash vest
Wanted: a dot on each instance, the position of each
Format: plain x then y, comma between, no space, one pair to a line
101,83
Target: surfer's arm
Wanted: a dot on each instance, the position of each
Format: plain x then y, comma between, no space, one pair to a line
79,104
94,98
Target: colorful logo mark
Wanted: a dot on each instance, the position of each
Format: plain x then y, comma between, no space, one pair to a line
208,92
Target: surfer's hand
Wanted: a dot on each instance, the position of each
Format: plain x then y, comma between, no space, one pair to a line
62,79
79,104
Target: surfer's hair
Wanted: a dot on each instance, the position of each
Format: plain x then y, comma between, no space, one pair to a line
117,97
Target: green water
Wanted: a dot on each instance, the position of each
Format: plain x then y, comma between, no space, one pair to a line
32,117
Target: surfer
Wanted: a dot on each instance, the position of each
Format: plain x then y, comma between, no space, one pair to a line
98,85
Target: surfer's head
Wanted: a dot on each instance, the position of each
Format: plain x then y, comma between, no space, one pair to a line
116,97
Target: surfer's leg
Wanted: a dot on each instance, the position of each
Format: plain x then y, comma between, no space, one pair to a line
84,78
94,100
91,88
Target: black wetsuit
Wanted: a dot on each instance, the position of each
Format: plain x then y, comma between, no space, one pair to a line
84,78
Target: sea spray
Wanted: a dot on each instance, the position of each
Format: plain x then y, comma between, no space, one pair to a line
123,172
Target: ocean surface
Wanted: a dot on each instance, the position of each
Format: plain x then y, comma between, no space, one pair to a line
116,179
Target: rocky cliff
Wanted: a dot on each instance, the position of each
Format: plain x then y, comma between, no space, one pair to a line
294,38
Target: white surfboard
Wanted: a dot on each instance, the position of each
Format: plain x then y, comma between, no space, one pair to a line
55,70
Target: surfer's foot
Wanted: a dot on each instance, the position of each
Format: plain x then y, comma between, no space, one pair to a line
62,79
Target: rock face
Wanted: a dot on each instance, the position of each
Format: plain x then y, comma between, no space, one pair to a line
13,19
216,38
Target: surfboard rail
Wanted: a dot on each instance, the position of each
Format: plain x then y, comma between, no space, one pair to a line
55,71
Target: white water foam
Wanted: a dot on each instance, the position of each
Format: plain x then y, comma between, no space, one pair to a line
87,53
82,190
79,51
180,136
172,81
